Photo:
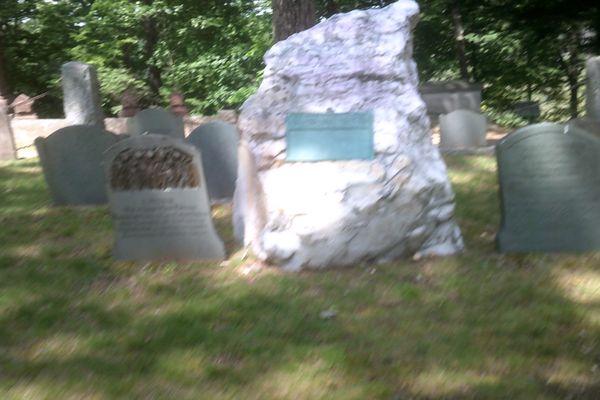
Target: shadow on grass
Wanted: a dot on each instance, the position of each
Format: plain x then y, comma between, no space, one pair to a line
73,323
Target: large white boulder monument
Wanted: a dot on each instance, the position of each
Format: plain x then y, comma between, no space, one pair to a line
341,213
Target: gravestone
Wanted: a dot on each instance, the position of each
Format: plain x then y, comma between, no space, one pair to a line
7,143
462,129
549,190
329,136
592,87
156,121
584,124
23,106
81,94
447,96
159,202
177,105
129,104
217,142
71,159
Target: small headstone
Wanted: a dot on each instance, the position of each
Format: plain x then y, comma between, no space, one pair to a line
462,129
81,93
129,104
529,110
177,103
23,106
329,136
217,142
584,124
592,87
156,121
7,143
71,159
550,190
158,201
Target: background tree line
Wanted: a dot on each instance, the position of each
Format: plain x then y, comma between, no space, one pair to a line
211,50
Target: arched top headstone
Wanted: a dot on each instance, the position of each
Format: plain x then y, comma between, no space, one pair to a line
549,190
217,141
462,129
159,202
71,159
156,121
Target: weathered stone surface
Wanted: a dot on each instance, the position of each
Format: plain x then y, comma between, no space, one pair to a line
584,124
72,162
177,105
550,190
340,213
592,88
7,142
218,144
129,103
22,106
157,121
462,129
158,201
81,94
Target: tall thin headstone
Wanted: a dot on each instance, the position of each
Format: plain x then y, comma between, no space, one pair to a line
592,97
7,143
81,94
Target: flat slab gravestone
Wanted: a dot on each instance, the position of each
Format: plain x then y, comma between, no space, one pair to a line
156,121
71,159
159,202
217,142
462,129
81,94
549,190
329,136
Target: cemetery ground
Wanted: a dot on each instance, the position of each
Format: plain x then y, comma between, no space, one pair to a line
74,324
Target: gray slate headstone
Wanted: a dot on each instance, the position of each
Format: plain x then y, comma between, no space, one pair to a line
71,159
584,124
217,142
592,87
7,143
158,201
156,121
462,129
81,94
549,190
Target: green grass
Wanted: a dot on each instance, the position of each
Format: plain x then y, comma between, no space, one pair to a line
76,325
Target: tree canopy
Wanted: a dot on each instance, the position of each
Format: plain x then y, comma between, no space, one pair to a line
211,50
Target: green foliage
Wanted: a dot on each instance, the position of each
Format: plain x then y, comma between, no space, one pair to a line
211,50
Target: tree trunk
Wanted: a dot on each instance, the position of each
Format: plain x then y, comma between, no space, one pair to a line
572,68
292,16
331,8
4,87
151,36
459,40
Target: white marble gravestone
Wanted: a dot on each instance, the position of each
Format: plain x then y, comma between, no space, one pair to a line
462,129
159,202
7,142
81,94
397,202
156,121
71,159
584,124
217,142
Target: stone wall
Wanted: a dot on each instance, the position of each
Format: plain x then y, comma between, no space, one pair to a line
26,130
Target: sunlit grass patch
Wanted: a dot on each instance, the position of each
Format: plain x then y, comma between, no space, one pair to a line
76,324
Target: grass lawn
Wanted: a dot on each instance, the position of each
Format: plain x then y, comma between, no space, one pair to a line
76,325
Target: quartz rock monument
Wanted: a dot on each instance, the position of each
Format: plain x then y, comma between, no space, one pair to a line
340,212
